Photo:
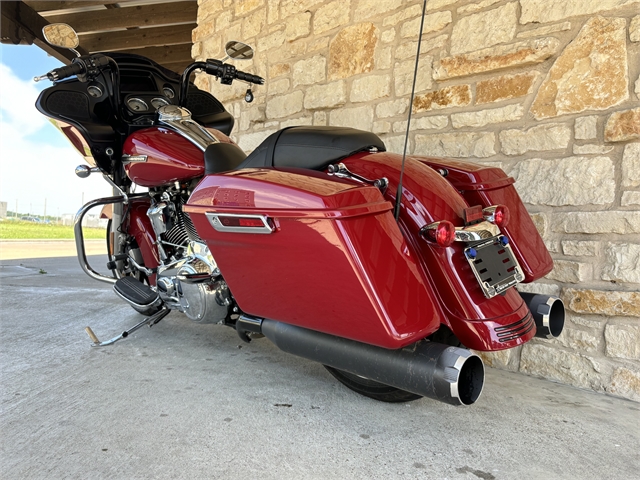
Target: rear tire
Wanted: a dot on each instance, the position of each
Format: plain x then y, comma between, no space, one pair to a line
371,388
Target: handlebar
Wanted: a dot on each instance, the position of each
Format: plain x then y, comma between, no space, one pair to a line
86,66
61,73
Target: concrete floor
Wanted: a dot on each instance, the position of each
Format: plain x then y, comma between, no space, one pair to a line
183,400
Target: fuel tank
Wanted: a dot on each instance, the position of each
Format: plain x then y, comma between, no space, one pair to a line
161,156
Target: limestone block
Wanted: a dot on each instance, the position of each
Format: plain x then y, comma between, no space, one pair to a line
555,364
541,288
404,14
273,40
242,7
541,223
388,35
381,126
296,122
580,340
437,4
510,113
634,29
484,29
621,222
409,49
318,44
356,117
476,6
223,20
630,199
432,23
396,144
209,8
249,141
253,24
459,145
503,359
527,52
273,12
298,25
552,136
403,75
277,87
284,105
291,7
625,383
309,71
392,108
580,248
435,122
279,69
600,302
623,126
319,118
454,96
505,87
622,341
570,272
384,58
590,74
594,324
196,50
369,88
622,262
586,128
637,87
249,117
331,15
545,11
325,96
539,32
374,8
592,149
352,51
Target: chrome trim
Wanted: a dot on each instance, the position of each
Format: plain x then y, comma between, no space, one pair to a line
340,170
83,171
77,230
127,159
179,119
491,291
475,233
214,219
151,321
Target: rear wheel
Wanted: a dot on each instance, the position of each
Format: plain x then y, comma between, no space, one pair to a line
371,388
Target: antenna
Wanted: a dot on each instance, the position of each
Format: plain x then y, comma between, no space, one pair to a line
396,208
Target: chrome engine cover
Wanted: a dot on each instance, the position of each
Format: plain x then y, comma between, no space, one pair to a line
194,286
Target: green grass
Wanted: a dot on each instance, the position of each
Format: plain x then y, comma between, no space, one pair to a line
17,230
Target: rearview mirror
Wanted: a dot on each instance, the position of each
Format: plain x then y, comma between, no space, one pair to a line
60,35
238,50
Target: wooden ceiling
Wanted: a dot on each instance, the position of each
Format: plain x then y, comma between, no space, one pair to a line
157,29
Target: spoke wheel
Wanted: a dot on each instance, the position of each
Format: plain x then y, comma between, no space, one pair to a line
371,388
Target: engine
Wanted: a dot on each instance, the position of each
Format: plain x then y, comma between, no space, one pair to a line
189,279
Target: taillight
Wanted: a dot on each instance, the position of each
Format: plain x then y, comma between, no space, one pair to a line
443,233
498,214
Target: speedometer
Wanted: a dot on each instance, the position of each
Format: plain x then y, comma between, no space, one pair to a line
137,105
159,102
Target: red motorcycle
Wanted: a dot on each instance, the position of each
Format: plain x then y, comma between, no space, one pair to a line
298,241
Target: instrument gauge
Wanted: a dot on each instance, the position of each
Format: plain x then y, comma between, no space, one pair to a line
168,92
159,102
137,105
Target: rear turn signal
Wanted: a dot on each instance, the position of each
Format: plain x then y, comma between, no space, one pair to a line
498,214
443,233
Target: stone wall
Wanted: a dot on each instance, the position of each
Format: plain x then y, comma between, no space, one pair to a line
546,89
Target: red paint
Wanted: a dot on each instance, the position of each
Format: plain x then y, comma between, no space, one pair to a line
170,157
139,226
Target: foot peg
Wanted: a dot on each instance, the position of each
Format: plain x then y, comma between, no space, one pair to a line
136,293
151,321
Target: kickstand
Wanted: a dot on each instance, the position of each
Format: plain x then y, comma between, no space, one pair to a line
151,321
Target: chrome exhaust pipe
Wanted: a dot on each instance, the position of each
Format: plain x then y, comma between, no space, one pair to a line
548,313
449,374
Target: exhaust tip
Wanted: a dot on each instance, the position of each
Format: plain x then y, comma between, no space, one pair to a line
548,313
470,380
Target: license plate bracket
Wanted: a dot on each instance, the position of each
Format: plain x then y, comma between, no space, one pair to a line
494,266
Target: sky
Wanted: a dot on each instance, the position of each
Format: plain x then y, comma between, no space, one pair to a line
37,162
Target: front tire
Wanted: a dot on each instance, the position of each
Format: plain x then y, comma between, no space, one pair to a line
371,388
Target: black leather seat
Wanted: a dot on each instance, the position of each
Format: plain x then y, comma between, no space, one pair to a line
310,147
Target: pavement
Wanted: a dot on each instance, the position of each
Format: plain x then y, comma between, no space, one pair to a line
26,249
182,400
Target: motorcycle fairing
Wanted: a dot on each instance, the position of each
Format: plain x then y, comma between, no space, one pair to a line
336,261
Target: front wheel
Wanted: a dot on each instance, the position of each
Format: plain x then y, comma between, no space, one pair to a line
371,388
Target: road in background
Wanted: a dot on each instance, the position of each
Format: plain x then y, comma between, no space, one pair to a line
28,249
182,400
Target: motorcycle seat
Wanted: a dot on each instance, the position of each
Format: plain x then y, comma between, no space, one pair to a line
310,147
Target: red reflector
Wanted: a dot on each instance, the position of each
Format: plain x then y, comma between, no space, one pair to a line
501,216
241,222
473,214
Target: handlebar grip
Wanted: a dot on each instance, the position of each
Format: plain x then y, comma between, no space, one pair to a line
66,71
247,77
